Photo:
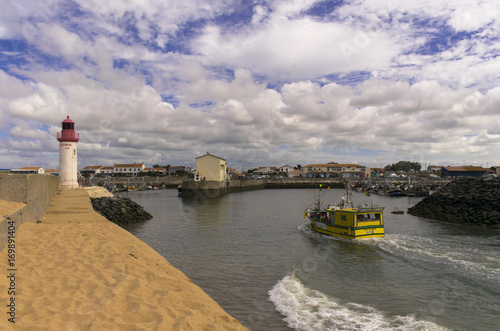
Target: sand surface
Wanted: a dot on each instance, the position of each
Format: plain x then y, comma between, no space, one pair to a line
98,192
77,271
8,207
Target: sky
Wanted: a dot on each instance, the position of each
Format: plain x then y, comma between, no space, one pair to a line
258,83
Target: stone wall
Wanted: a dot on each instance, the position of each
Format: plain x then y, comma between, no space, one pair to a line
36,191
465,200
214,189
204,189
237,185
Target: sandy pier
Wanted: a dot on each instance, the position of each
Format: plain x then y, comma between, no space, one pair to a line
77,271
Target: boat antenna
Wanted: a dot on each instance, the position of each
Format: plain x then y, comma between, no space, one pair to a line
319,196
347,198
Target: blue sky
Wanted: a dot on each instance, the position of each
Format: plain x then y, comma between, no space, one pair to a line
260,83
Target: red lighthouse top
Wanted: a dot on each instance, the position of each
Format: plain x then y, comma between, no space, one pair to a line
68,131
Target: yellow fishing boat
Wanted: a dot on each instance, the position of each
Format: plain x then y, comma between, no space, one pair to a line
345,220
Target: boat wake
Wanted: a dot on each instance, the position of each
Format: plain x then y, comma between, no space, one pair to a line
465,254
470,256
307,309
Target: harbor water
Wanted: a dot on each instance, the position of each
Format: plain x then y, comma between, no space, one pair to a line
255,254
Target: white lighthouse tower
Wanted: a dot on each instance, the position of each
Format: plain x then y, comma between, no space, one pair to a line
67,154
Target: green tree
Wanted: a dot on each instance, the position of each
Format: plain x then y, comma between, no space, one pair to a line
403,166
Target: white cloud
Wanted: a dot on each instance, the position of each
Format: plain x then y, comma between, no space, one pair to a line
474,16
13,87
297,49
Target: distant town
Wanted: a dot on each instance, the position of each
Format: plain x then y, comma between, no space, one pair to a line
400,169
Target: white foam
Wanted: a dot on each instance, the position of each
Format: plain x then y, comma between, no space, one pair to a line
307,309
449,251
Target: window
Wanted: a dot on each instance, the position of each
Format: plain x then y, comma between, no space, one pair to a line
343,217
363,217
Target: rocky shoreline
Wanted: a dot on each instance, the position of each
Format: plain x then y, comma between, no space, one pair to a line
120,210
474,201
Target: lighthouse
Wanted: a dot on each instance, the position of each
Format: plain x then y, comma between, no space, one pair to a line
67,154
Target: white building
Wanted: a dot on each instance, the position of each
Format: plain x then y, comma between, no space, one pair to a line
336,170
108,171
129,169
288,170
28,171
173,169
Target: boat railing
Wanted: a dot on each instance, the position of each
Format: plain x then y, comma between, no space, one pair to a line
370,209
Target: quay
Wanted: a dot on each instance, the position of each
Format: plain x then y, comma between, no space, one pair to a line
215,189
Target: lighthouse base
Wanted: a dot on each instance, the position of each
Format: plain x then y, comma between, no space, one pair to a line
68,164
70,185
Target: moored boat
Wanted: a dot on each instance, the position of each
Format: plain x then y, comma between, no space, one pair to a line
345,220
397,211
394,192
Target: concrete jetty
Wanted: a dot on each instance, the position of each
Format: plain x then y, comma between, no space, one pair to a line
75,270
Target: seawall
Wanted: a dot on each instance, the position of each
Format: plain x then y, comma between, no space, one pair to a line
305,183
214,189
32,193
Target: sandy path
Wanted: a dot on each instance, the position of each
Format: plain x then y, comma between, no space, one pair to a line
8,207
78,271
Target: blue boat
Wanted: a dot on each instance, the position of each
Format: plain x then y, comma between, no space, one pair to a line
394,192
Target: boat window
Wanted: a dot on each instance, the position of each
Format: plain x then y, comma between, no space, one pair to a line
363,217
343,217
377,216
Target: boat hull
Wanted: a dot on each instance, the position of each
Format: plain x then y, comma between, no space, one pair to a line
394,193
369,231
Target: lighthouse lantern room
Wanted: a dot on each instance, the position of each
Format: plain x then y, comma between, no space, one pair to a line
68,169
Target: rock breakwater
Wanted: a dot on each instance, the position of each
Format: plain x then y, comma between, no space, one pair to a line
120,210
465,200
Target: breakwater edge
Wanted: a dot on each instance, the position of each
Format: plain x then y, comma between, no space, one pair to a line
473,201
